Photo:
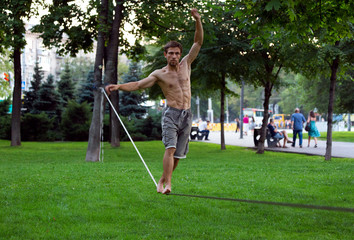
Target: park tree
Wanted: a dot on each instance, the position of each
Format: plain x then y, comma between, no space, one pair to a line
325,39
85,90
32,95
345,89
66,86
12,35
100,21
220,58
130,102
267,50
48,100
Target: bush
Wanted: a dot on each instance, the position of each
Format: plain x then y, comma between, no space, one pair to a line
75,123
5,127
36,127
5,120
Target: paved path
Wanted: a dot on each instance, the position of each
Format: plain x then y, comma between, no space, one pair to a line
339,149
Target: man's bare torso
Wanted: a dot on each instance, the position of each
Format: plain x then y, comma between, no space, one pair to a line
175,85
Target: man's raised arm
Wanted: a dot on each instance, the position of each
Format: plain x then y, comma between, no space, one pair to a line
198,37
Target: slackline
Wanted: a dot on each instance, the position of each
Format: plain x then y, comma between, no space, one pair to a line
284,204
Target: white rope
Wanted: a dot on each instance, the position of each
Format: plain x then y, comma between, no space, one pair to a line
129,137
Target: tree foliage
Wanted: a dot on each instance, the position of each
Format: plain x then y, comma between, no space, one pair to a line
48,99
12,32
85,90
66,86
76,121
130,102
31,96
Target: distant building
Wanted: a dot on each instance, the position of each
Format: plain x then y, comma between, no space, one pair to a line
48,59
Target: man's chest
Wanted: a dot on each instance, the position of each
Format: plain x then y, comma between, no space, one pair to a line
178,79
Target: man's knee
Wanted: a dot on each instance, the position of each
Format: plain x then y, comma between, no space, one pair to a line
170,151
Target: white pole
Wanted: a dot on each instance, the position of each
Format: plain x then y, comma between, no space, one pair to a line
129,136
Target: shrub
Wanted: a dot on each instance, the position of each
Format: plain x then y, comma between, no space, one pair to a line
5,127
36,127
75,123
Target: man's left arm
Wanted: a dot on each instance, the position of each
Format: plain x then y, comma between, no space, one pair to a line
198,37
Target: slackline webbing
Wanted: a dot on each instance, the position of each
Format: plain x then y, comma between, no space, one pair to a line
284,204
121,122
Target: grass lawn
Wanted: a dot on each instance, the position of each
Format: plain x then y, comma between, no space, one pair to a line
336,136
48,191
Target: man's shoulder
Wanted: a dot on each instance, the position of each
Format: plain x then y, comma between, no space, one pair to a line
158,72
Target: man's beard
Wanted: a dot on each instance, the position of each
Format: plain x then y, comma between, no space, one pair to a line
173,63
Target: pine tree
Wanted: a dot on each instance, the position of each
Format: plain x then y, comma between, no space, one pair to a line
85,92
66,86
130,102
32,95
48,99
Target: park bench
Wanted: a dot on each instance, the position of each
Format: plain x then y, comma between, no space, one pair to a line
196,134
272,142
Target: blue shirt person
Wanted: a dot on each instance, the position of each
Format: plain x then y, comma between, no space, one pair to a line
297,121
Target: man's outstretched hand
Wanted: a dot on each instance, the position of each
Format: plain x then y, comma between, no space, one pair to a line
110,88
195,14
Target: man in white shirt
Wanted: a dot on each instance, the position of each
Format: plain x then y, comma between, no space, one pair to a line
203,128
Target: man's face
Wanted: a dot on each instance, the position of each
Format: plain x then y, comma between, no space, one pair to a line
172,56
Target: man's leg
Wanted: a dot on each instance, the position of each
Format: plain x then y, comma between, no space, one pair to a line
286,138
206,134
300,138
168,167
294,138
175,163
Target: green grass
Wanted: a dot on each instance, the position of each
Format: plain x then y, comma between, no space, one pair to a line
48,191
336,136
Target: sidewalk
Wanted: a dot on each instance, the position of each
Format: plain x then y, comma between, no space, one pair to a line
339,149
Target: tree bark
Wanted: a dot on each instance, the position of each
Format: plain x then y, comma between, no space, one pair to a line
222,111
93,148
267,93
334,69
16,103
111,71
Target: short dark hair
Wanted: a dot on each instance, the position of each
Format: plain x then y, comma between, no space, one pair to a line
172,44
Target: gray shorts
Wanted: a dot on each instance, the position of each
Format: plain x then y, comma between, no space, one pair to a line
176,128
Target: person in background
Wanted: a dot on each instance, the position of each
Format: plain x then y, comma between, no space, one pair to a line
237,124
203,127
297,121
278,134
313,129
245,124
252,124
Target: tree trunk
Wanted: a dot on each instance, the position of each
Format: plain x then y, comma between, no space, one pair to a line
222,111
93,148
111,71
334,69
16,103
267,94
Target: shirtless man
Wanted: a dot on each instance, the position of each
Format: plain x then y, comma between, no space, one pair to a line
174,81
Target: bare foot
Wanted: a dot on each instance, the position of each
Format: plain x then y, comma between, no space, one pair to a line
160,187
167,190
